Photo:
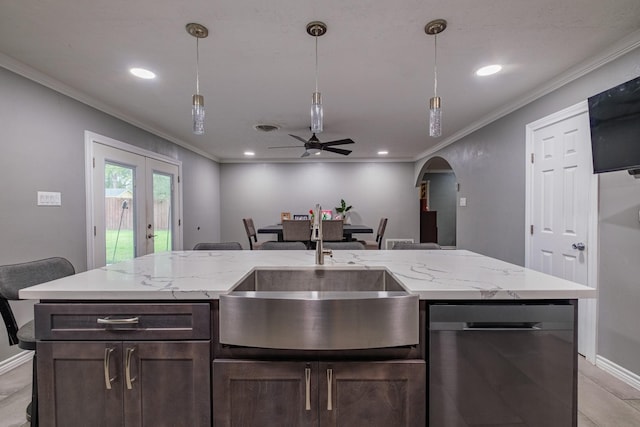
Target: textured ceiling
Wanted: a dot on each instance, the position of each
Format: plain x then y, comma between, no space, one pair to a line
257,65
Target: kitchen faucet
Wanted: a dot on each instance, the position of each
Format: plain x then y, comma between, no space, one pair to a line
316,236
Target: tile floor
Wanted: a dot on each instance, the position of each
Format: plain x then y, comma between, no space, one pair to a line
603,401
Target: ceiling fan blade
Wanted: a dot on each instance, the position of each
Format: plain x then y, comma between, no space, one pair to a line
337,150
288,146
339,142
305,154
298,138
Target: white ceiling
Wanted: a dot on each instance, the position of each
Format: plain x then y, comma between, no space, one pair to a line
257,65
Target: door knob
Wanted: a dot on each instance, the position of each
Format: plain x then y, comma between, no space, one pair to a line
579,246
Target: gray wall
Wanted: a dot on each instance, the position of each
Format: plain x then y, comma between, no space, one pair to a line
619,226
42,143
263,190
443,199
490,166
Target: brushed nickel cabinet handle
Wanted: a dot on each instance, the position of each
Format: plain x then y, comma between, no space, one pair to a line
329,387
110,321
307,381
127,368
107,375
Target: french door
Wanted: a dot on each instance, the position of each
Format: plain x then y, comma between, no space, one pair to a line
133,202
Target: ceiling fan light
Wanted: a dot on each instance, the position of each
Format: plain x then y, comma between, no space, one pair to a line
316,113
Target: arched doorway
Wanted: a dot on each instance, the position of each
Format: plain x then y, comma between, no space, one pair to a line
441,187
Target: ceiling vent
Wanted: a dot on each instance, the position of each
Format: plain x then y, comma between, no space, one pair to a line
266,128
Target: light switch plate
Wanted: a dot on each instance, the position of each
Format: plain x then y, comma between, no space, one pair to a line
463,201
49,198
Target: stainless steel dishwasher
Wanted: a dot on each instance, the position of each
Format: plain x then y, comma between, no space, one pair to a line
503,364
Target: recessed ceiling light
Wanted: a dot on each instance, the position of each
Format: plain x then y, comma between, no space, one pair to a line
489,70
249,153
383,153
142,73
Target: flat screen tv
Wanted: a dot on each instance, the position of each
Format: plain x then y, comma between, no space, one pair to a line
614,118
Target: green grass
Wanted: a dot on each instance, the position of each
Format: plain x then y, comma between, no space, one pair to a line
124,251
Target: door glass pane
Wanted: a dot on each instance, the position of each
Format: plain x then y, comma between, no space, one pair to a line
119,213
162,212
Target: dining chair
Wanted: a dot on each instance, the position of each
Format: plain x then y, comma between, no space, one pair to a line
410,246
251,233
283,246
376,244
14,277
222,246
354,246
332,230
297,231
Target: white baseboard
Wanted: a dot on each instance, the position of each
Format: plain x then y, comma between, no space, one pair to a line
619,372
15,361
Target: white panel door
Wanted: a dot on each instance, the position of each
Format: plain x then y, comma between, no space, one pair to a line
561,179
560,205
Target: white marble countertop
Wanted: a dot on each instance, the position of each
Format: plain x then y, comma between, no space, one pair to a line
196,275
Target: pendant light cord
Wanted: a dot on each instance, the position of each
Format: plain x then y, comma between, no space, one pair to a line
435,66
316,37
197,66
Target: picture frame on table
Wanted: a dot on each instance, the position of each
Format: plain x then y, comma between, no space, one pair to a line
285,216
300,217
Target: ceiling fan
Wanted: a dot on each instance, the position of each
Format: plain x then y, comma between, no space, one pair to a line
313,145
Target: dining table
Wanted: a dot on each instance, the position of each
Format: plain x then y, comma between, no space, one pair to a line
348,230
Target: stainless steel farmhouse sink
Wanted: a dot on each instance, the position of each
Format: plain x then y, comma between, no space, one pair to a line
319,309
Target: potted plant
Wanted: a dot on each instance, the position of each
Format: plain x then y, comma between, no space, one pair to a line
343,209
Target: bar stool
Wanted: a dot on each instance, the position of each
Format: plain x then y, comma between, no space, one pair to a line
14,277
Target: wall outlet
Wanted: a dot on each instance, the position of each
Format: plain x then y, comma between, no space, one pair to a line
49,198
463,201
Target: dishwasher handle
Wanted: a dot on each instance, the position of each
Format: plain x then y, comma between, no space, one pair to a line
502,326
501,317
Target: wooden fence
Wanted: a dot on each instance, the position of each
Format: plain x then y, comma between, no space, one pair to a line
114,214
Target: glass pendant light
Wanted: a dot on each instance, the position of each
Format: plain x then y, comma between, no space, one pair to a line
434,28
197,110
316,29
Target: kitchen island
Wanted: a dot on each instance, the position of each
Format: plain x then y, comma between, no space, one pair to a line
138,343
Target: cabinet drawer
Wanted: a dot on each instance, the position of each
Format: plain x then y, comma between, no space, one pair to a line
79,321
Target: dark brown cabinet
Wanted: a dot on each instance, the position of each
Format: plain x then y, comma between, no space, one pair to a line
319,394
140,380
123,383
373,394
428,226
